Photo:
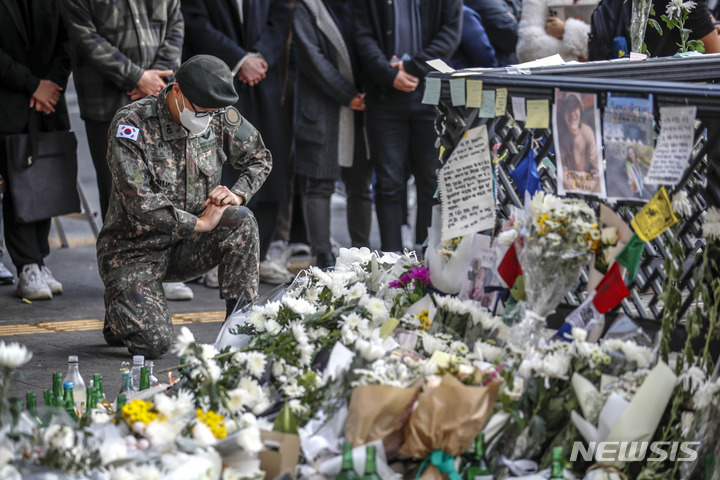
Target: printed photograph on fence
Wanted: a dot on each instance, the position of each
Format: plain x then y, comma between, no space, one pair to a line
576,136
479,278
628,139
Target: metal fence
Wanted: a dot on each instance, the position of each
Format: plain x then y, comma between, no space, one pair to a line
671,82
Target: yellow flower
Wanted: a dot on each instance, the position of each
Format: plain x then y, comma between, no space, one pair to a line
425,321
214,421
139,411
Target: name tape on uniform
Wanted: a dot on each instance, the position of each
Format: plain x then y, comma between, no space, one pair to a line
127,131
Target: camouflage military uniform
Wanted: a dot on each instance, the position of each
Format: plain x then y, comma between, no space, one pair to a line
161,179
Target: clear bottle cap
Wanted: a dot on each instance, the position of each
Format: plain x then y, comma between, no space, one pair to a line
138,359
73,359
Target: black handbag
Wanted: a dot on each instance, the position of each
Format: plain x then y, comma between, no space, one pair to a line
42,173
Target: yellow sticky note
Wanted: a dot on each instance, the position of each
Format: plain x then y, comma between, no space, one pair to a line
387,328
538,114
442,152
500,102
442,359
655,217
473,96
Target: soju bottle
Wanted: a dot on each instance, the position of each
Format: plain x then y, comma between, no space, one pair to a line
370,465
144,378
98,385
557,464
138,363
126,383
89,406
183,364
479,468
69,400
57,388
31,406
16,408
348,471
121,399
709,466
49,405
153,379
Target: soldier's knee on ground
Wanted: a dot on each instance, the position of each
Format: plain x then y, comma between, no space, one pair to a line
148,344
235,216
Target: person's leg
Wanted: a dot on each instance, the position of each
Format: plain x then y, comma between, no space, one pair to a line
317,212
357,181
232,245
6,276
388,135
424,158
97,133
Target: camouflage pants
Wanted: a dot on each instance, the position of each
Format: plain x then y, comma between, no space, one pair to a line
137,316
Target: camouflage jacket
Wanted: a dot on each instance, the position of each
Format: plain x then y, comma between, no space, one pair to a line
162,177
114,42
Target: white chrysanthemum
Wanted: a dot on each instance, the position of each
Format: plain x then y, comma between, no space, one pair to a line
59,437
370,351
686,423
432,344
255,362
299,333
691,379
292,389
531,363
518,389
255,393
351,320
675,8
459,348
257,320
356,291
348,335
312,295
202,434
273,327
213,370
183,342
486,352
237,400
508,236
681,204
306,354
272,309
278,368
609,235
208,351
13,355
323,277
711,228
249,440
707,394
299,305
556,365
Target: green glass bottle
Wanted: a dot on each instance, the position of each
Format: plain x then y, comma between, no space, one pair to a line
16,408
183,364
370,465
89,406
126,383
31,406
348,470
557,464
121,399
98,384
69,400
144,378
57,388
709,466
49,406
479,468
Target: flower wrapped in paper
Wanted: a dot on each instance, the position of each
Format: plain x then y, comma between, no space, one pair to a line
559,236
447,418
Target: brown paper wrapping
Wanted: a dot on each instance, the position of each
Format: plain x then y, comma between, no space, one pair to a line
377,411
448,418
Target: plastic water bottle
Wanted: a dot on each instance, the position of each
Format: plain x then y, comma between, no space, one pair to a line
138,363
73,375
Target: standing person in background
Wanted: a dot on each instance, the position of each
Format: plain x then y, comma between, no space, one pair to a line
394,39
6,276
34,69
500,20
250,36
122,52
329,136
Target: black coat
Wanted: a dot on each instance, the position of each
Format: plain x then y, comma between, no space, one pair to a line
374,22
26,57
213,27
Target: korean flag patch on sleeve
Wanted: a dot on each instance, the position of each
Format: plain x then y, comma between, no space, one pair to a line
127,131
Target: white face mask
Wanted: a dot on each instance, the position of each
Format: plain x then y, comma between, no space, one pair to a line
195,125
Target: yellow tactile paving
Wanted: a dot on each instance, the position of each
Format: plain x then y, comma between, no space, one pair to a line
95,324
54,242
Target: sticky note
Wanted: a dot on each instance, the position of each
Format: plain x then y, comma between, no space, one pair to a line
538,114
500,102
457,91
387,328
432,91
518,106
487,109
440,66
474,93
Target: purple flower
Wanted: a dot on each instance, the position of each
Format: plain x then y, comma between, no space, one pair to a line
395,284
405,278
421,273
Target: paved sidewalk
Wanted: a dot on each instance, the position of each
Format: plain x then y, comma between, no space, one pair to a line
71,323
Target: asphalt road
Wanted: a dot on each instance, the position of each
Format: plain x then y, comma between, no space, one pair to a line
71,323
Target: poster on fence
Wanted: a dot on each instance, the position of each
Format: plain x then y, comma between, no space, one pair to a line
576,136
481,272
628,136
674,145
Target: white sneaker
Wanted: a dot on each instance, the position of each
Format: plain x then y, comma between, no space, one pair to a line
272,271
55,286
211,279
6,276
31,285
177,291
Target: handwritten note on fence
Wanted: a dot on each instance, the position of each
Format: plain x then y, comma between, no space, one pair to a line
466,187
674,144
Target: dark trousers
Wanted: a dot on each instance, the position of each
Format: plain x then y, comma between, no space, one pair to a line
359,207
97,134
26,242
401,133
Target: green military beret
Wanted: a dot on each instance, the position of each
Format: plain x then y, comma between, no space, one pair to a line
207,82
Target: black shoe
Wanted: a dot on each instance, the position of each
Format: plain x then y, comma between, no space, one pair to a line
325,260
6,276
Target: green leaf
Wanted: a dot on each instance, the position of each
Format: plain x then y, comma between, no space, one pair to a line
654,23
285,421
537,428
